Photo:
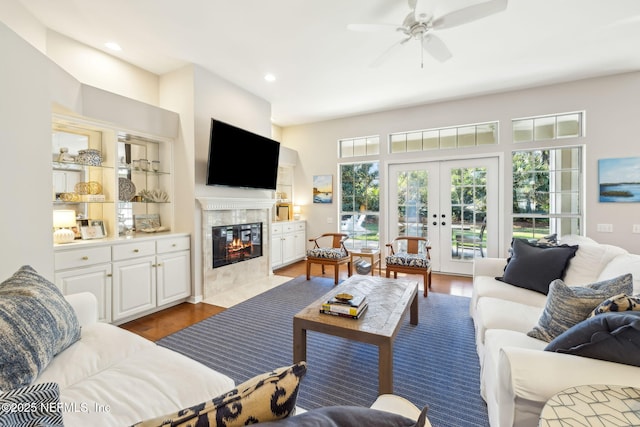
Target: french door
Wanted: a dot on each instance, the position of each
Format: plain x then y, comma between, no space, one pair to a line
452,203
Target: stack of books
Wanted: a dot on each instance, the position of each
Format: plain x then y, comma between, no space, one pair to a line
342,305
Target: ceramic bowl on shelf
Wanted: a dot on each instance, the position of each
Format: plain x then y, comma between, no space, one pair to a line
90,157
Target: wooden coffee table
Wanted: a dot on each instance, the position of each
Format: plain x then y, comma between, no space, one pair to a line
389,301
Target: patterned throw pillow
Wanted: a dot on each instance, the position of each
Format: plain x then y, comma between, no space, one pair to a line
34,405
36,322
568,305
621,302
267,397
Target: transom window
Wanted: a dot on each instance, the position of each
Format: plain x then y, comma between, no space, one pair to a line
540,128
442,138
362,146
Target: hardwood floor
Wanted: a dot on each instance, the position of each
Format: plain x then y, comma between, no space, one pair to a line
158,325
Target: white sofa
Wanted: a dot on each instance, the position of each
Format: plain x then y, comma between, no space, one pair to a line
112,377
517,376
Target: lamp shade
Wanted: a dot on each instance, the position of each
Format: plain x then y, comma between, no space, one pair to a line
64,218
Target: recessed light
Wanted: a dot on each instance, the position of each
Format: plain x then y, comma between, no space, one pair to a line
270,77
113,46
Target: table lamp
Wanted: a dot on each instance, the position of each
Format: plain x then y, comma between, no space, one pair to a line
63,220
296,212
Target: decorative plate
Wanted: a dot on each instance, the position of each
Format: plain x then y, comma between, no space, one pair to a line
126,189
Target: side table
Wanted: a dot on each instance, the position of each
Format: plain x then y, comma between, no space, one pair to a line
593,405
374,255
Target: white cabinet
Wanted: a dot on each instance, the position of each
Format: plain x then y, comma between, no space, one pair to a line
129,278
287,242
86,270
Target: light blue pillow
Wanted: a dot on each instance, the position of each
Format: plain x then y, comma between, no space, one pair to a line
568,305
36,322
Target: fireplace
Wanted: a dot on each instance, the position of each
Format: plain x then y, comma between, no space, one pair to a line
236,243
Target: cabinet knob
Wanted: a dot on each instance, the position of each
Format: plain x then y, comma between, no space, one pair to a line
136,250
85,258
109,275
174,245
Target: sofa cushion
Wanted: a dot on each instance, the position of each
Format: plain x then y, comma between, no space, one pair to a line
33,405
329,253
623,264
408,260
332,416
535,267
589,262
266,397
569,305
36,322
620,302
614,337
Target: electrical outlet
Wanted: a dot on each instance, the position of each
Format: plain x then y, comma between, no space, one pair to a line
604,228
635,228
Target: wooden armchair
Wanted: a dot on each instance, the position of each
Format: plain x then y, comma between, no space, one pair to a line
415,259
335,255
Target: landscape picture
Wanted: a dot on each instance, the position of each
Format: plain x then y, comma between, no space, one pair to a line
619,179
322,189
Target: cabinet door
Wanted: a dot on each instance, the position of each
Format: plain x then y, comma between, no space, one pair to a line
300,245
276,251
173,276
95,279
134,287
288,248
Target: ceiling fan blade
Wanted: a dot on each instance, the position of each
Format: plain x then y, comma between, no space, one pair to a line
435,47
470,13
387,53
372,28
422,10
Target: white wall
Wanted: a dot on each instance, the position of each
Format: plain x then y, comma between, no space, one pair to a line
611,110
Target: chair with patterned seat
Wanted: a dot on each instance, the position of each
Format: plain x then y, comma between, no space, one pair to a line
410,255
336,254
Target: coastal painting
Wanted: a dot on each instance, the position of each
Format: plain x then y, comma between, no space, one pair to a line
323,189
619,179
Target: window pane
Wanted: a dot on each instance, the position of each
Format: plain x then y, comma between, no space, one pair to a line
569,125
523,130
359,147
373,146
544,128
398,143
346,148
466,136
448,138
430,140
414,141
360,204
486,134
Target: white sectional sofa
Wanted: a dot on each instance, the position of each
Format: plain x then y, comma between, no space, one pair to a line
112,377
517,375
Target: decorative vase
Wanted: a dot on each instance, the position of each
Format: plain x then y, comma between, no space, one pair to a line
90,157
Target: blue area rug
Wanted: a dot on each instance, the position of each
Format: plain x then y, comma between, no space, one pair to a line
435,362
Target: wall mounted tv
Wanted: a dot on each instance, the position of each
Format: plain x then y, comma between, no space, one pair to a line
239,158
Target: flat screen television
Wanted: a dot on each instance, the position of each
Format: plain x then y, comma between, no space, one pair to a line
239,158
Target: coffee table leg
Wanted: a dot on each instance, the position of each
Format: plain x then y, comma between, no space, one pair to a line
299,343
413,314
385,368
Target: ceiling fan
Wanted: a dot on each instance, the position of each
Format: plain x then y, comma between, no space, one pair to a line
420,24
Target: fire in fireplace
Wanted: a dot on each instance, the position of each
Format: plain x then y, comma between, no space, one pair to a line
235,243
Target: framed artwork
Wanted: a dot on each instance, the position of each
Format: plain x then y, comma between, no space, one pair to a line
95,230
323,189
146,221
619,180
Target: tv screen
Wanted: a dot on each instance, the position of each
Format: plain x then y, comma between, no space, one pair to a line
239,158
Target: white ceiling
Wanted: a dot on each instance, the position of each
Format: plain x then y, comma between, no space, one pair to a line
324,70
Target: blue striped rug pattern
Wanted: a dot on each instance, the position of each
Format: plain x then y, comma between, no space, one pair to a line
435,363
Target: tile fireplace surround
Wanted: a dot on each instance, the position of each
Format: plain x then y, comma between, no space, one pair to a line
218,211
